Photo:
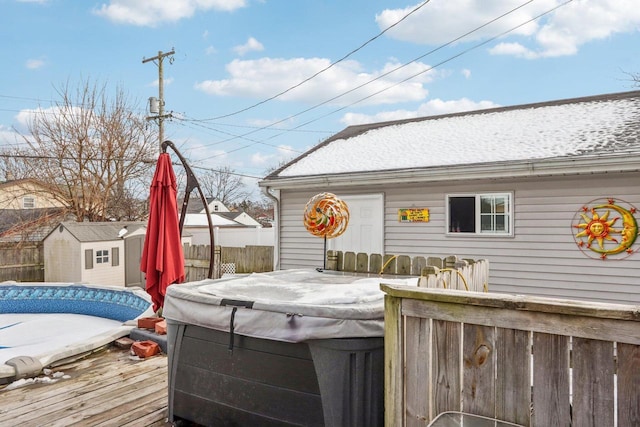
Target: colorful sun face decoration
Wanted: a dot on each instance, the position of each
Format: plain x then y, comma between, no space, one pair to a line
607,228
325,215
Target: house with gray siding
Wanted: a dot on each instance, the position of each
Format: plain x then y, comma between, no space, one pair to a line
548,193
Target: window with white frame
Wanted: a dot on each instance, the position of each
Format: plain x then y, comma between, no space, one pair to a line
483,213
28,202
102,257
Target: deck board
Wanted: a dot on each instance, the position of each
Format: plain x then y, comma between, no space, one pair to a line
107,388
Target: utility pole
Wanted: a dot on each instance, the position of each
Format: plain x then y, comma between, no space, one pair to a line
160,107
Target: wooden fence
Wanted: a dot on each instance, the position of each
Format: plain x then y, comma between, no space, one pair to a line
532,361
25,262
22,262
449,272
249,259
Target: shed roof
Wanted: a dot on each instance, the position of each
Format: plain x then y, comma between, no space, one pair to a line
98,231
595,128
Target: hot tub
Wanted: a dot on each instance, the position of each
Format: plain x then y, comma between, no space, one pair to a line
44,324
291,347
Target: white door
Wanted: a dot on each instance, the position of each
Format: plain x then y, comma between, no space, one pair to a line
365,231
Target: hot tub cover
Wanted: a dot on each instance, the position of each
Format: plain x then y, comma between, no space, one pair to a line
286,305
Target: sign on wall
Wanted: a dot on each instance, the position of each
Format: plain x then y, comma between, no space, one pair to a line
413,215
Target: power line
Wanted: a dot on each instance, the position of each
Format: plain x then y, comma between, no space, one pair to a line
438,64
324,69
147,161
396,69
232,137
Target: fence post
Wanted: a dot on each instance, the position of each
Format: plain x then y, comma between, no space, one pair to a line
332,260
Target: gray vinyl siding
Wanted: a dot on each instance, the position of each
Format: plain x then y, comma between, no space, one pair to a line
541,258
298,248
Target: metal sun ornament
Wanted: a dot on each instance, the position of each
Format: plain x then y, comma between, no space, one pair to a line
325,215
607,228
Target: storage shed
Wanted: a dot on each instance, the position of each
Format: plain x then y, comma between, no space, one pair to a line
92,252
548,193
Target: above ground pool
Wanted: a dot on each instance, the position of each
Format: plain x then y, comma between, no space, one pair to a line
285,348
45,323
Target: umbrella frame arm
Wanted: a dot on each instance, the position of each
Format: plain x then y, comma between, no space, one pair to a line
192,183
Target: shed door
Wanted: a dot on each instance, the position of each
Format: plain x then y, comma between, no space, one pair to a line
133,254
365,232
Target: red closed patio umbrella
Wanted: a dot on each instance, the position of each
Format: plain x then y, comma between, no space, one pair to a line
162,256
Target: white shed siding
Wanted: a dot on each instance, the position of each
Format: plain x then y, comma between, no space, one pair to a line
540,259
61,258
104,273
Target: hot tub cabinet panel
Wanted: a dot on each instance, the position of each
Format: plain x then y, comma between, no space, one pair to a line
286,348
333,382
259,382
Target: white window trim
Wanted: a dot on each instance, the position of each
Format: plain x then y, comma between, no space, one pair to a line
477,197
30,199
101,254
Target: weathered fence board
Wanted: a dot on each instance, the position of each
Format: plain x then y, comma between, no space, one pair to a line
21,262
478,388
526,360
249,259
593,373
448,272
513,354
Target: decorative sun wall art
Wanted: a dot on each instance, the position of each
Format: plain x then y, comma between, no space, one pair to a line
607,228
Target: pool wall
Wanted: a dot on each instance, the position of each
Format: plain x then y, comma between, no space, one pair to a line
121,304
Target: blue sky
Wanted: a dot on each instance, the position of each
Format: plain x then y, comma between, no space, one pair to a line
231,55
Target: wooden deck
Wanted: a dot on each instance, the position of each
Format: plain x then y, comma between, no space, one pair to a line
108,388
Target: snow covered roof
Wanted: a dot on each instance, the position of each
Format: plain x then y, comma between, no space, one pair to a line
599,126
98,231
200,220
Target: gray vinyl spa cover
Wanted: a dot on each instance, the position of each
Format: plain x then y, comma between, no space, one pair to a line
285,305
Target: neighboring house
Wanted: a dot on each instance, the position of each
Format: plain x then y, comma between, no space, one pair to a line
28,194
94,252
549,193
241,217
195,205
28,210
235,229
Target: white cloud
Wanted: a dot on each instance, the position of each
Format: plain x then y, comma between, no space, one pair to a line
440,22
512,49
252,45
166,81
153,13
433,107
559,33
210,50
265,77
269,161
34,64
261,159
466,73
9,136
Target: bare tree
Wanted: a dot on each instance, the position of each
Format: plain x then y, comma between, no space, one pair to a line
94,148
223,185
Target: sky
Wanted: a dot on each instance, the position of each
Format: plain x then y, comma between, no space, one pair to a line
255,83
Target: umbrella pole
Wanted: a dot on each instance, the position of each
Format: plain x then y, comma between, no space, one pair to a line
192,182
